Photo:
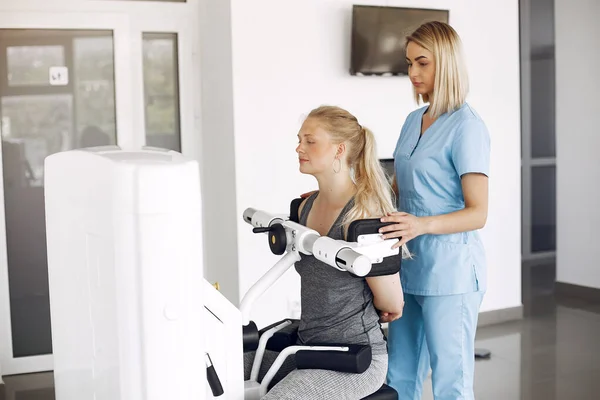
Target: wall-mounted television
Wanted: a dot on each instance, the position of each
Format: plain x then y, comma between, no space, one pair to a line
378,36
388,167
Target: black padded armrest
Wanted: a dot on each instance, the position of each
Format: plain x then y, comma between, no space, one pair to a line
250,337
294,207
356,360
390,265
283,338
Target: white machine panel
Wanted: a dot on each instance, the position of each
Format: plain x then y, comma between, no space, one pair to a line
224,343
124,234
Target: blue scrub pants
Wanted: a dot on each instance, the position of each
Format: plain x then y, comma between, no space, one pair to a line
436,331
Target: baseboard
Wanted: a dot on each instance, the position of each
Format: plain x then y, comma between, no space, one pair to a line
488,318
582,292
494,317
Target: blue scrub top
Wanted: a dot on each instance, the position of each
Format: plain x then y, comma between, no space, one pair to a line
428,172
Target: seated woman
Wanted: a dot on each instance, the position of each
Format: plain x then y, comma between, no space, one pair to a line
338,307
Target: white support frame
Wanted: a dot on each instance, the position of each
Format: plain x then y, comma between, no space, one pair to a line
128,20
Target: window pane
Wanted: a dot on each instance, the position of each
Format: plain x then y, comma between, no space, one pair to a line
39,126
542,87
543,136
95,89
39,120
161,91
543,208
30,65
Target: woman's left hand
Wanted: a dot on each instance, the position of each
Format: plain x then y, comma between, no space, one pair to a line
406,227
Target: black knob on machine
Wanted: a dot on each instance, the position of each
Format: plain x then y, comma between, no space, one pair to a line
277,237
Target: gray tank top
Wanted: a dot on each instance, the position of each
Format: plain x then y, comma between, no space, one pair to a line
337,307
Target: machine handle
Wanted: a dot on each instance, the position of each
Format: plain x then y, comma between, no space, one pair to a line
277,237
213,379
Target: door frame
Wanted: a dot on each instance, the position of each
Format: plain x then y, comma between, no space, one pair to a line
127,21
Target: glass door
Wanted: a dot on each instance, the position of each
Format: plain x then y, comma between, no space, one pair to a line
57,92
112,72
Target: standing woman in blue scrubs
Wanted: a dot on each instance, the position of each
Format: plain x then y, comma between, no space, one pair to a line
441,164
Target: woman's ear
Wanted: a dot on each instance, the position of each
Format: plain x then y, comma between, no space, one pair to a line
341,150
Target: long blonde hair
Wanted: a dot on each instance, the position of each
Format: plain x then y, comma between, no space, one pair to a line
373,196
451,85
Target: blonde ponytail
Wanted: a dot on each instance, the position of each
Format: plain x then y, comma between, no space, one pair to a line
373,191
373,197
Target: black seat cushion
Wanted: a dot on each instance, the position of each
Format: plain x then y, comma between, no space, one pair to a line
385,393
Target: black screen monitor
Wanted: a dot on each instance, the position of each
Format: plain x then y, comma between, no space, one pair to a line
388,167
379,34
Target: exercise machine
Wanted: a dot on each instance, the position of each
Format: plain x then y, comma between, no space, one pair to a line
364,254
124,234
132,316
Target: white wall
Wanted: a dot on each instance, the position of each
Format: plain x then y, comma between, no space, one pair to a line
289,57
578,142
218,157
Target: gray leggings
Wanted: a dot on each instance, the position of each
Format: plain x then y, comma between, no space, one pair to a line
316,384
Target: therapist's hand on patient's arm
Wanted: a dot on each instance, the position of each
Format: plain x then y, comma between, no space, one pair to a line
473,216
406,227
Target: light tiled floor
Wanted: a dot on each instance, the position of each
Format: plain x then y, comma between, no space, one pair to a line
552,354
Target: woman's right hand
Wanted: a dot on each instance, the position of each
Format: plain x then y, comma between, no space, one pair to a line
389,317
